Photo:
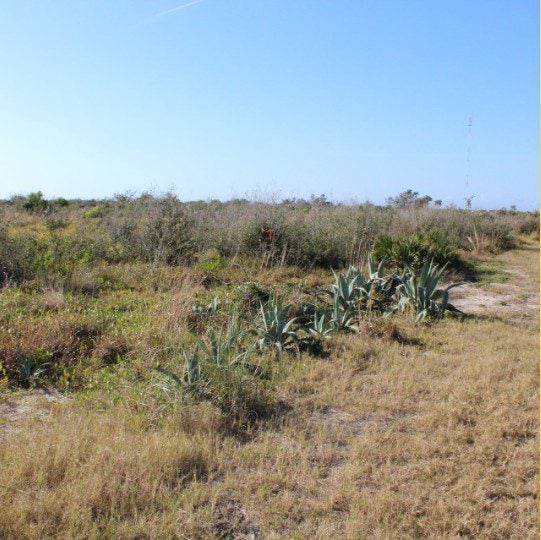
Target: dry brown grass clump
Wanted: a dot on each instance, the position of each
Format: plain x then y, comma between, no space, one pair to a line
65,338
89,475
53,300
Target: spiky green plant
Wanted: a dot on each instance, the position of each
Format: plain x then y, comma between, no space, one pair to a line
192,366
347,287
320,328
376,287
421,293
191,376
221,347
415,249
342,319
314,334
30,369
357,290
277,330
206,310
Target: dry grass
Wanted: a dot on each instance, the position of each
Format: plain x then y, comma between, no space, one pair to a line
99,474
404,431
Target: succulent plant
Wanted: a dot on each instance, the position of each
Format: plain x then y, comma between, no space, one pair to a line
276,330
421,293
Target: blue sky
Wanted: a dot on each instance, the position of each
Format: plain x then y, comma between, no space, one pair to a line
357,99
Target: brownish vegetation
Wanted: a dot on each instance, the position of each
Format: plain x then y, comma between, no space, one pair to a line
396,429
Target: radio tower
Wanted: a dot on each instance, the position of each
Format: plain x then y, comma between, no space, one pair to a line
468,196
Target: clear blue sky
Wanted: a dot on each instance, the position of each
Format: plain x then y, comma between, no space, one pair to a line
219,98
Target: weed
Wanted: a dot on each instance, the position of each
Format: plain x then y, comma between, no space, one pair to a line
486,275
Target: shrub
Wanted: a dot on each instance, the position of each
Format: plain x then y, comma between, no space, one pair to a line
60,202
211,261
155,230
94,212
530,225
29,257
306,233
416,249
35,202
56,223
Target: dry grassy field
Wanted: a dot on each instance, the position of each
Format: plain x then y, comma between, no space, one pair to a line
269,270
399,430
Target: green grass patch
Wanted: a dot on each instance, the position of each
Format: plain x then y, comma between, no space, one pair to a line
487,275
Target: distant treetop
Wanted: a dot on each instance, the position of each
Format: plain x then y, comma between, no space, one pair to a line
409,198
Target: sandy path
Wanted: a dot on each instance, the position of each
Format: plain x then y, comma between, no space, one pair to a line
519,294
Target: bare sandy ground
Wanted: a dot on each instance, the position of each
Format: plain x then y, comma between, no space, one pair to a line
519,294
14,411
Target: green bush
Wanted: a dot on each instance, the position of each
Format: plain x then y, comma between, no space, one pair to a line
306,233
154,230
35,202
46,259
55,223
416,249
94,212
60,202
211,261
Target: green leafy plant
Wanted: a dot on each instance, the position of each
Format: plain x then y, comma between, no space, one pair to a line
342,318
276,330
94,212
346,289
216,371
172,383
35,202
320,328
221,347
357,291
211,262
314,334
205,310
414,250
30,369
421,293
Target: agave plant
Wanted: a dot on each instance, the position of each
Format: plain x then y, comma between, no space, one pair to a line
191,375
347,287
29,369
221,346
321,328
375,287
357,290
207,310
276,331
375,272
313,335
342,319
421,292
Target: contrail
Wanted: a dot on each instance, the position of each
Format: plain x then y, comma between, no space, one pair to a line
156,16
179,7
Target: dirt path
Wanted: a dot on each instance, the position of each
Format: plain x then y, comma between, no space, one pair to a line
519,293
